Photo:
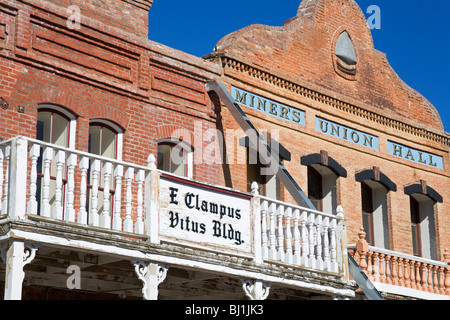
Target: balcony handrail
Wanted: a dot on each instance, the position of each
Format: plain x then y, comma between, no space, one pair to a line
395,270
286,204
125,197
78,152
402,255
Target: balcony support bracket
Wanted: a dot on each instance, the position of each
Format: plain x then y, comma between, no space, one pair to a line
16,257
151,275
256,289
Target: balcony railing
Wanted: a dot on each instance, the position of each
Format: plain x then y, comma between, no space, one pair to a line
302,237
44,182
49,181
401,274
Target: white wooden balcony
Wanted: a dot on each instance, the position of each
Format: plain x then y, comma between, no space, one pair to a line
404,275
53,196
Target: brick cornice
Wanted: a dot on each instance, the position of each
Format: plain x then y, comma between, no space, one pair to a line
337,103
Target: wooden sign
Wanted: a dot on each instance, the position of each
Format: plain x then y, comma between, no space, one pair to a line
204,216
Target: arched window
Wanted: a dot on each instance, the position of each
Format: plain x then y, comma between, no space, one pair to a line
105,139
323,174
375,187
55,125
176,157
423,200
270,185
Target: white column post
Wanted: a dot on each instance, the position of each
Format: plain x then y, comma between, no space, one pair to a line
47,158
71,164
35,152
18,256
17,200
57,207
82,213
151,201
94,219
105,218
117,219
139,226
256,212
341,234
128,223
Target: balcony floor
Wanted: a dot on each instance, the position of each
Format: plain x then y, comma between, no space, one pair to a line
105,259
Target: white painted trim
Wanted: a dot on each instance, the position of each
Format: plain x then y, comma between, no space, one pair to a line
408,292
403,255
167,260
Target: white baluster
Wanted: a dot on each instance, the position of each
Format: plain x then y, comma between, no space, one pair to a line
297,237
57,207
47,159
280,229
305,247
333,246
70,210
105,218
140,178
82,213
319,259
311,232
272,237
32,207
2,160
6,186
117,219
128,223
326,244
93,214
264,238
288,257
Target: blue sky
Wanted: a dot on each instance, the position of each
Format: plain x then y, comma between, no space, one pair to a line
414,34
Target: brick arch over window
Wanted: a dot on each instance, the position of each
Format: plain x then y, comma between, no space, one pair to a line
57,97
80,107
97,111
175,133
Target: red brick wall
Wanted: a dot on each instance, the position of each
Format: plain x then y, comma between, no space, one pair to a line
294,66
103,70
111,71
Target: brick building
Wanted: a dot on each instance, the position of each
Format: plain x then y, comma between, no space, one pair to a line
107,131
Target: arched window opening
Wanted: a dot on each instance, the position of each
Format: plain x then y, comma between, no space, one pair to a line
55,125
323,175
176,157
423,202
423,227
105,140
375,188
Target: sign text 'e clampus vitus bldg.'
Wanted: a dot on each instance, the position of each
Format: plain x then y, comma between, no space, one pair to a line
205,217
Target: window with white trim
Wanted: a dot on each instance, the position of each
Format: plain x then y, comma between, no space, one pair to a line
423,226
175,157
105,140
55,125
